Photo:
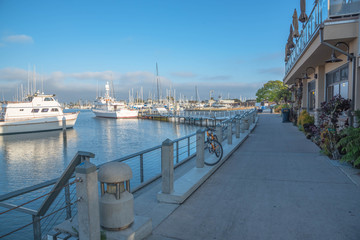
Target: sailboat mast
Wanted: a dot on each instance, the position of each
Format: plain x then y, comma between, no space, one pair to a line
157,83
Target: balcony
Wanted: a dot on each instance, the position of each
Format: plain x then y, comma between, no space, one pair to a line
322,11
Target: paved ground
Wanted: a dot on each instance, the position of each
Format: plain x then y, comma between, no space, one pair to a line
275,186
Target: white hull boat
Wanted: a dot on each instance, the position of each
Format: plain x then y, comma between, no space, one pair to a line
108,107
37,113
122,113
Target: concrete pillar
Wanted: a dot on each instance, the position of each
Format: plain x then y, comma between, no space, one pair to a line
237,128
219,132
229,133
246,123
88,206
167,166
200,146
319,92
242,125
304,100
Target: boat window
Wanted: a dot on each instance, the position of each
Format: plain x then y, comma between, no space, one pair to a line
44,110
35,110
28,99
21,110
48,99
54,110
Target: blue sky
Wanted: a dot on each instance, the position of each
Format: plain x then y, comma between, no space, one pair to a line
231,47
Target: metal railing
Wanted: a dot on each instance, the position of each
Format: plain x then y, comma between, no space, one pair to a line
59,204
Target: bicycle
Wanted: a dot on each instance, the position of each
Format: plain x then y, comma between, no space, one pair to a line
214,146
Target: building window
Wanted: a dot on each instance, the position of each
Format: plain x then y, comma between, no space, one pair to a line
311,95
337,82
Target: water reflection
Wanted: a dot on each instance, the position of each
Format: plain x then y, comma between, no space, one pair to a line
28,159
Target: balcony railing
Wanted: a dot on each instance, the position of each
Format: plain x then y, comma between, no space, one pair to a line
323,10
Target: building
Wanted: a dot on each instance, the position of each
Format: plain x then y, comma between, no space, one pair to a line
322,56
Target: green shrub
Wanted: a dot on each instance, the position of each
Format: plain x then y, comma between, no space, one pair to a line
350,143
304,118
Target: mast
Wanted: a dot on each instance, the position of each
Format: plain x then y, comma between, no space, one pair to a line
157,83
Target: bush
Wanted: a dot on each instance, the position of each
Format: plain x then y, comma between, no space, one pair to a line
303,119
350,143
278,108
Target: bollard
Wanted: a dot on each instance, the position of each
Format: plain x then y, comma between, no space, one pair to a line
219,132
200,146
88,205
167,166
229,133
237,128
116,201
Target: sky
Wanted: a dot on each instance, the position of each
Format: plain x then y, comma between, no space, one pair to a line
73,48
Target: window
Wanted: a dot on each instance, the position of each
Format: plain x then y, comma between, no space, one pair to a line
311,95
21,110
337,82
48,99
44,110
54,110
35,110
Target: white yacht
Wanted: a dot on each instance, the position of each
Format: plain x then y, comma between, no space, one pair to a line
108,107
38,112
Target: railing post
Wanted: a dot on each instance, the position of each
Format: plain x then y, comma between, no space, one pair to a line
188,146
141,168
200,140
167,166
229,133
177,151
67,201
242,124
237,128
246,123
219,132
36,227
88,204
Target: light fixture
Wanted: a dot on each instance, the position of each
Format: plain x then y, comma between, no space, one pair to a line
306,73
333,57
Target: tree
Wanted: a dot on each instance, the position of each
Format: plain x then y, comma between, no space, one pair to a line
273,91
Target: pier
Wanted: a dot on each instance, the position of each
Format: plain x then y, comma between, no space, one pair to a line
202,118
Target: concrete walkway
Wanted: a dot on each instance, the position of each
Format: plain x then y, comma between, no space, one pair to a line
275,186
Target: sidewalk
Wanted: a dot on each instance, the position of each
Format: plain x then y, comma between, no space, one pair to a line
275,186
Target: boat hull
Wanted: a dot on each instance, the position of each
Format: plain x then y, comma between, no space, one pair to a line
123,113
38,125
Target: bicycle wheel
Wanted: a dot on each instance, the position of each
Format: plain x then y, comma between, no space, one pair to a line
218,150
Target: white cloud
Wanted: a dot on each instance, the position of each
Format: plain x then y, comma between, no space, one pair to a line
84,85
19,39
184,74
